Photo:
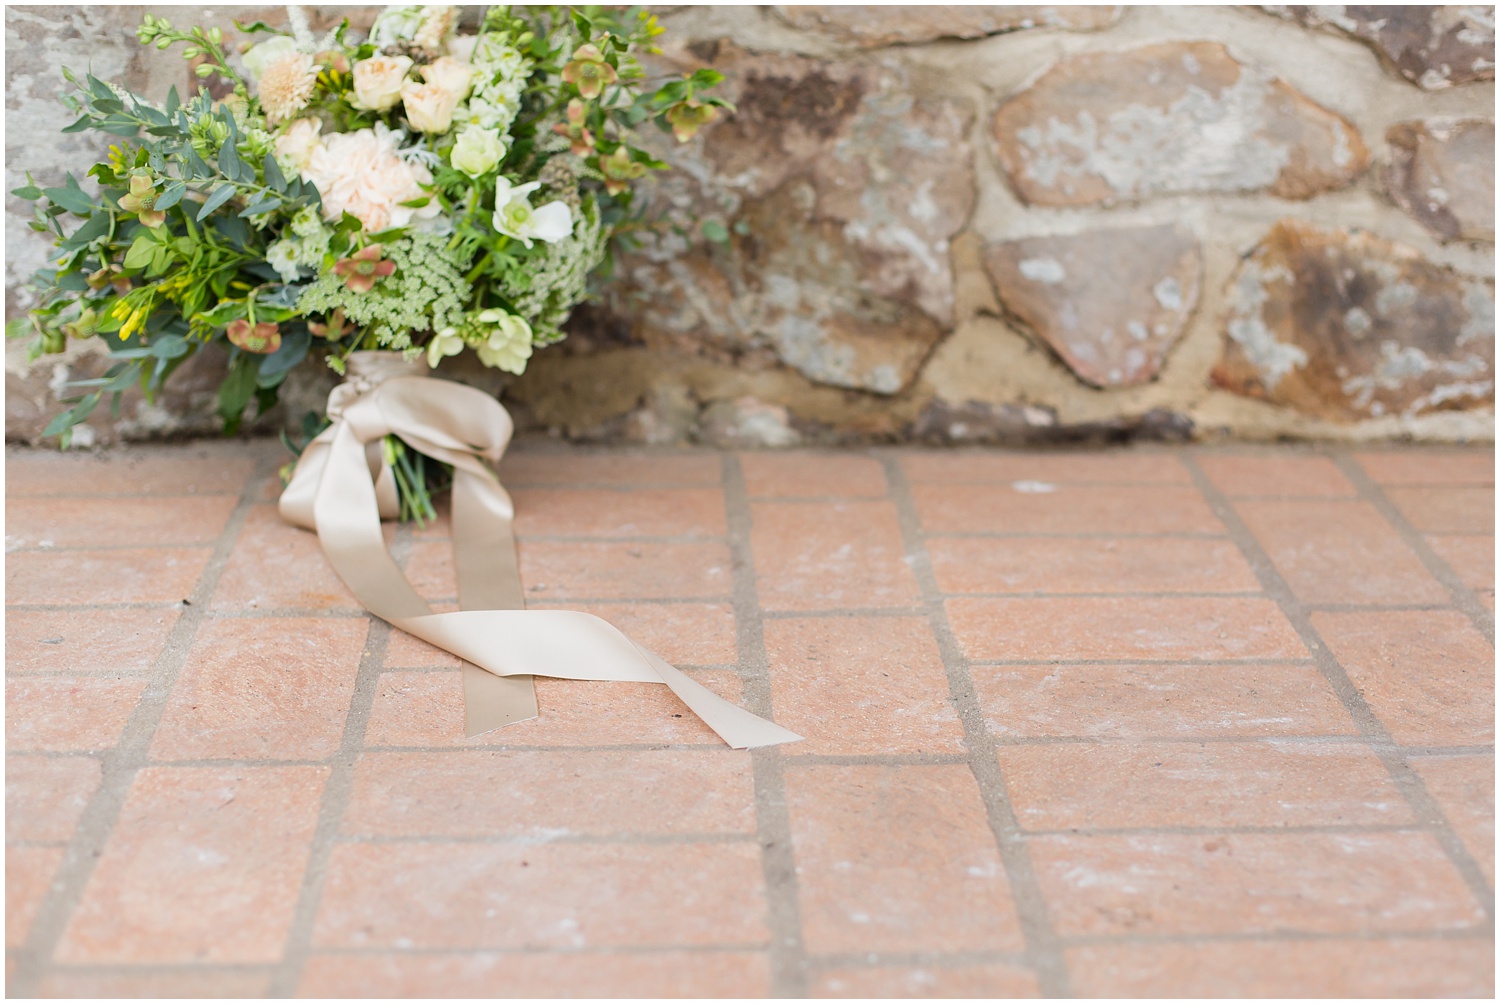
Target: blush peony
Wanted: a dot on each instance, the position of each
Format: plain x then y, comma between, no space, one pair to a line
360,173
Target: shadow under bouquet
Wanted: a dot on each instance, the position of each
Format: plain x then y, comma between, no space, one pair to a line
432,189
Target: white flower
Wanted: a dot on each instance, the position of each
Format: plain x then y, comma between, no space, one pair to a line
283,257
477,151
396,24
445,343
514,216
378,82
509,343
287,85
361,173
263,55
429,108
437,21
295,146
451,75
461,47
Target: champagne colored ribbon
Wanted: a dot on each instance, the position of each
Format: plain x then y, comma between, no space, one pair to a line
341,488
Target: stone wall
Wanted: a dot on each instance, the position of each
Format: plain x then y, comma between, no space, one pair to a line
1006,224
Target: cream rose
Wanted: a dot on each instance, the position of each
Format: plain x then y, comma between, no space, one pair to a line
451,75
360,173
429,108
378,81
295,146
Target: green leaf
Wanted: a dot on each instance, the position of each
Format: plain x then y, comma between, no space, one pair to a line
171,195
229,159
221,195
72,199
237,389
141,252
84,123
98,88
706,78
173,102
714,231
28,192
169,346
272,171
264,206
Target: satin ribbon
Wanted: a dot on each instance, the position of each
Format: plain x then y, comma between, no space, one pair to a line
342,487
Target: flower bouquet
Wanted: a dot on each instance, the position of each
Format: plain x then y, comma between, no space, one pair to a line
424,190
380,204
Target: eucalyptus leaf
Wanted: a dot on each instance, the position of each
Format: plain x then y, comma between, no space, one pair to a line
220,195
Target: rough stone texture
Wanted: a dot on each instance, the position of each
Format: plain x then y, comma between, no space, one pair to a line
841,191
1433,46
1117,126
1111,303
1443,173
1346,326
853,301
869,27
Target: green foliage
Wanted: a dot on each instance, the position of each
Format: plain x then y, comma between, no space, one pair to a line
427,292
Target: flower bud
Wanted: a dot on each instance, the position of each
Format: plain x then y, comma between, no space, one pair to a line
215,35
206,70
163,42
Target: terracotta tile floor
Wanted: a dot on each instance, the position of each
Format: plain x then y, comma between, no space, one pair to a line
1158,722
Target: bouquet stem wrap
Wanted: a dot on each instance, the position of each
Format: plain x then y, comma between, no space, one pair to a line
341,488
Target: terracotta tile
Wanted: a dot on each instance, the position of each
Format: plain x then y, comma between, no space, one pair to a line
197,982
84,577
273,688
897,859
430,570
427,709
1333,551
28,877
1123,629
1430,465
835,555
1195,884
46,796
639,975
1000,467
204,865
861,685
560,895
968,981
1167,701
640,512
81,642
687,634
1472,558
90,522
557,571
1428,675
1284,475
197,469
1061,786
1447,509
799,474
1464,787
613,468
275,564
67,713
1067,508
1074,565
550,795
1364,967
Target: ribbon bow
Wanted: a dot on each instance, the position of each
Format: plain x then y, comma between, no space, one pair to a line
342,487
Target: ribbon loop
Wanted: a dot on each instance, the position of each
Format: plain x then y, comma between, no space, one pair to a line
341,488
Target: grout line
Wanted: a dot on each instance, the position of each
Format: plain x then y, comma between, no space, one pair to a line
349,951
1227,830
934,960
129,755
336,794
1251,661
1277,935
1043,951
525,840
1425,808
773,822
1464,598
1055,535
859,759
781,615
1117,594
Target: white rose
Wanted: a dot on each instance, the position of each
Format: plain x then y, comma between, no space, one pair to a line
266,53
295,146
361,173
429,108
378,81
451,75
477,151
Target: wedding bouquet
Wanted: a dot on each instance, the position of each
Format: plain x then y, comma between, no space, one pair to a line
422,190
